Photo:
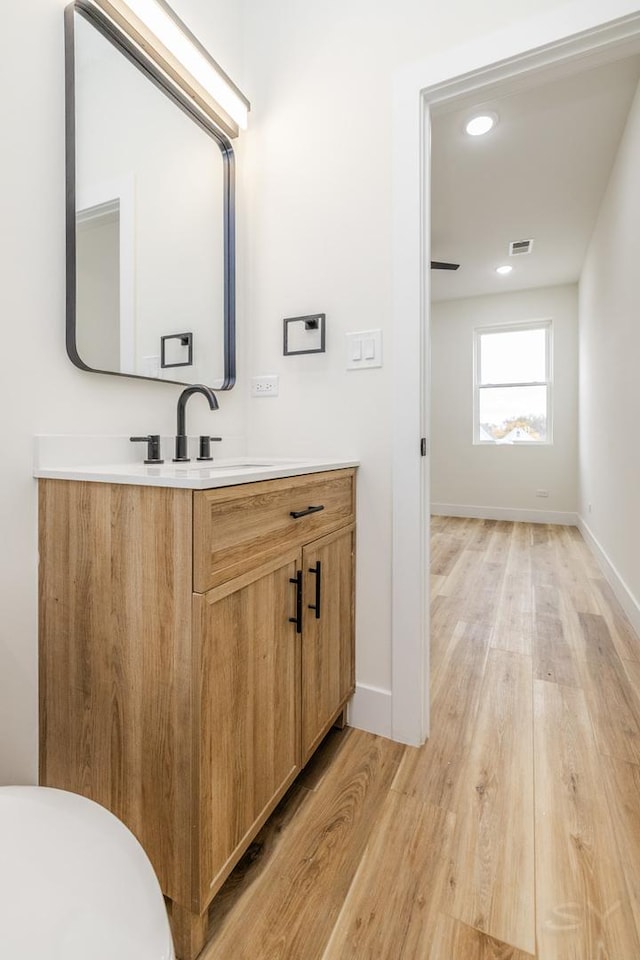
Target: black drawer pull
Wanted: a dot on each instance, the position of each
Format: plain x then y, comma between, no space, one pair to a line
298,617
296,514
318,572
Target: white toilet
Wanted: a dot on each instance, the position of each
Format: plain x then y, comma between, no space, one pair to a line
75,884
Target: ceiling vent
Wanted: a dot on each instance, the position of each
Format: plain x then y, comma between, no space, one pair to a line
517,247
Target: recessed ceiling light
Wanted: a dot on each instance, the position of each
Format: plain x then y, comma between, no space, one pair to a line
504,270
483,123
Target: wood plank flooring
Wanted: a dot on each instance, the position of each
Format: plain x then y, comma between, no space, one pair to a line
514,832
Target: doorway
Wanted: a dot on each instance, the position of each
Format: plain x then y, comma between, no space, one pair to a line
522,55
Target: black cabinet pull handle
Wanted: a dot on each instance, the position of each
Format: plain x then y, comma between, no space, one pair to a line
318,572
296,514
298,617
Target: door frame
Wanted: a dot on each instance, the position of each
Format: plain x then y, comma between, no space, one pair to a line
120,190
537,44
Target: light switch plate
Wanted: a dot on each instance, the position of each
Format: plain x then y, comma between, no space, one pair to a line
364,349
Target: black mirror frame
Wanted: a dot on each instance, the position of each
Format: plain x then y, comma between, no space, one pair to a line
136,56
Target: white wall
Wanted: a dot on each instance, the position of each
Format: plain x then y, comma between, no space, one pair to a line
609,371
320,78
464,475
41,391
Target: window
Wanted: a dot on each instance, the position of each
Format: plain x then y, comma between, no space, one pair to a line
512,396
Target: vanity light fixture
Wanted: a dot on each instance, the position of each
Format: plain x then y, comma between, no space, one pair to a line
481,124
503,271
154,26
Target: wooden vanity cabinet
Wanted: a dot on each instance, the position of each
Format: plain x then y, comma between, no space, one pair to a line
185,676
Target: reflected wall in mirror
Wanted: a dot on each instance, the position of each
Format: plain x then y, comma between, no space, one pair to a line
150,216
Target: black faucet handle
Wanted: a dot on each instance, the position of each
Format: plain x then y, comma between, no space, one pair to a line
153,447
205,447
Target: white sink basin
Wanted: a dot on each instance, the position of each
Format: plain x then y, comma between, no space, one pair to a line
226,464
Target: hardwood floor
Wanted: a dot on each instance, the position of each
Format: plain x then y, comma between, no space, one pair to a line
514,832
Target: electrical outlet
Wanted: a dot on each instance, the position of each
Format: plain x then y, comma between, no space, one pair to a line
151,366
542,493
264,386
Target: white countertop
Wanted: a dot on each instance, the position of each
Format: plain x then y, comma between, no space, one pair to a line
116,460
193,475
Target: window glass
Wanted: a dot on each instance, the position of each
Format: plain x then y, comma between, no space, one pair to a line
513,414
513,356
513,384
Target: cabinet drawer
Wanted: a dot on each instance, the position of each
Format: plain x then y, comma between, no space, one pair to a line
237,528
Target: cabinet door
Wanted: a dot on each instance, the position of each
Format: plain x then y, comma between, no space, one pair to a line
246,689
327,634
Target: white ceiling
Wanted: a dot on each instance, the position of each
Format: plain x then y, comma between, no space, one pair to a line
540,174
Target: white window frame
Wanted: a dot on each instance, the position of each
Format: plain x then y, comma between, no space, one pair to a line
547,382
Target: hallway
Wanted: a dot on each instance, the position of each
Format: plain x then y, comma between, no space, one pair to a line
515,831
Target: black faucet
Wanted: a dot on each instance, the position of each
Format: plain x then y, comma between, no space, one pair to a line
181,434
153,447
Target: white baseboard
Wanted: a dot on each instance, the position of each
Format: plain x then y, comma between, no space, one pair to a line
628,601
504,513
370,710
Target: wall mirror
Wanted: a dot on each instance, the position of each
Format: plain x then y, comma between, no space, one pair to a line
150,217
